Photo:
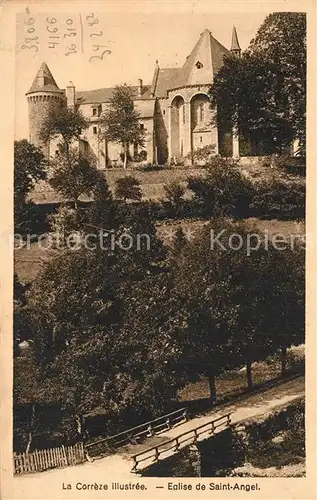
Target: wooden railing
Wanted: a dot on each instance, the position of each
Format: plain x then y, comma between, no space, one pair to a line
40,460
147,429
180,441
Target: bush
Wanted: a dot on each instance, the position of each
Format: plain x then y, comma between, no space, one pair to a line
290,164
128,188
141,156
203,156
275,197
223,190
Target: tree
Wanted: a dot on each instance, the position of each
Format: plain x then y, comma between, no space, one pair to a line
120,123
282,40
128,188
103,212
64,122
223,190
29,167
73,174
262,95
174,193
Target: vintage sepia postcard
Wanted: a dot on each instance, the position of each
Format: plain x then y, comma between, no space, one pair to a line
158,250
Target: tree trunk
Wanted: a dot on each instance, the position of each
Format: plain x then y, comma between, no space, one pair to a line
125,157
283,360
249,375
212,387
79,426
30,434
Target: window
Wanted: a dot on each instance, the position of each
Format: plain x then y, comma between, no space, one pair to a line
94,111
163,111
201,112
184,116
141,126
201,139
94,130
199,65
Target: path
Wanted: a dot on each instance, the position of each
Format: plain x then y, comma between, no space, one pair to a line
118,467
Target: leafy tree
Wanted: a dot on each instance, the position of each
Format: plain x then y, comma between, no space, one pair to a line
64,122
103,213
262,94
282,40
29,168
128,188
73,174
223,190
120,123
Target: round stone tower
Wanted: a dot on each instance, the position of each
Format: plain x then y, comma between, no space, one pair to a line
43,96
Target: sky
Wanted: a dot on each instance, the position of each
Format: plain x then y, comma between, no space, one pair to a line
72,45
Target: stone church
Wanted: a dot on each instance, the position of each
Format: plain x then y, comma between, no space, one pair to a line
174,110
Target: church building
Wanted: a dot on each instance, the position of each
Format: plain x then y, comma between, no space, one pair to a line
174,111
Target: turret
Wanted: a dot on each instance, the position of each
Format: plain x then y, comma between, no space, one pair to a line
235,47
43,96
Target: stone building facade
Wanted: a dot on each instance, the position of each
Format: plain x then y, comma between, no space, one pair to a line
174,110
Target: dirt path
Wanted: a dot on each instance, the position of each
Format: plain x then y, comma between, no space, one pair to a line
118,467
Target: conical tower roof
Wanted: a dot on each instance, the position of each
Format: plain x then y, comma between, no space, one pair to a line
44,81
234,41
205,60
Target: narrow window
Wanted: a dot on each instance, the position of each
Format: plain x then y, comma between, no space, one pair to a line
94,112
95,130
141,126
201,139
201,112
184,117
163,111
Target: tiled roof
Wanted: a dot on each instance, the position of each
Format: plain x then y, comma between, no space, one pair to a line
104,95
144,105
199,68
44,81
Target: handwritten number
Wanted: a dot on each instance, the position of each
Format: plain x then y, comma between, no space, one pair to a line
51,21
69,21
29,39
54,30
30,21
31,30
92,20
96,34
72,50
30,47
93,58
69,34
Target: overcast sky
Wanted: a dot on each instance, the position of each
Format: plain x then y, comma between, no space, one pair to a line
136,40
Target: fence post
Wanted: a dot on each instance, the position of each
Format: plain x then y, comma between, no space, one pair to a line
150,431
185,414
168,423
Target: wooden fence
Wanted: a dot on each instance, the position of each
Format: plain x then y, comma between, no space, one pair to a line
40,460
140,432
152,455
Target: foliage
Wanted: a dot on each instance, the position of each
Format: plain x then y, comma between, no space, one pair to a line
276,197
223,189
262,94
66,122
73,174
103,212
282,39
21,320
203,155
128,188
174,192
29,167
140,156
120,123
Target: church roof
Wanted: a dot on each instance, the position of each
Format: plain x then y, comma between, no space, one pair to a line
199,68
235,42
44,81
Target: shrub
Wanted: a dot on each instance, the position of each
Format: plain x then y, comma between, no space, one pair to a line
223,190
128,188
290,164
276,197
203,156
141,156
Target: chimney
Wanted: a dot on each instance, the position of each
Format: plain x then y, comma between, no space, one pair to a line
140,87
70,95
